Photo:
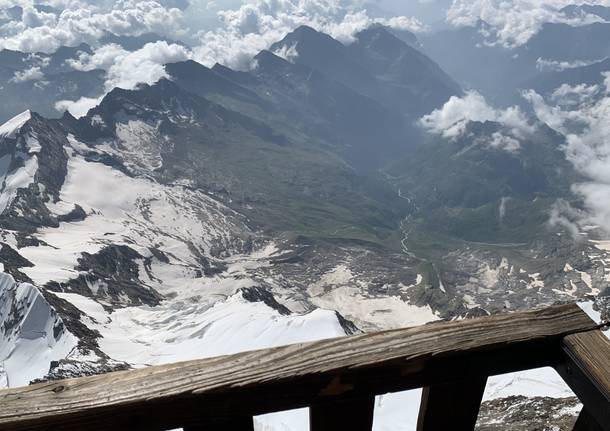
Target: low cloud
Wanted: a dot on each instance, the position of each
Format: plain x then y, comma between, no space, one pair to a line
451,120
33,73
78,108
288,53
34,70
73,22
124,69
512,23
557,66
505,143
568,95
582,115
564,215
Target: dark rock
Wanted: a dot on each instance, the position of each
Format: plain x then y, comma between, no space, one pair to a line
12,261
115,268
76,214
71,317
257,294
348,326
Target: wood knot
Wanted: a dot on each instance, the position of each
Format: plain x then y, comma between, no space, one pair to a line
58,389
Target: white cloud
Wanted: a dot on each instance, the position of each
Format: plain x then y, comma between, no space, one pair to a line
568,95
34,73
404,23
145,65
451,120
78,108
288,53
34,70
582,115
102,58
564,215
557,66
514,22
79,21
124,69
505,143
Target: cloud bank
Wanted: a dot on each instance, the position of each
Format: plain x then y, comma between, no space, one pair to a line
124,69
582,114
70,23
512,23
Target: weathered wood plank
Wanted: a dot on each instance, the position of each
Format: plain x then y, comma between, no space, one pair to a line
294,376
585,366
586,422
451,405
351,414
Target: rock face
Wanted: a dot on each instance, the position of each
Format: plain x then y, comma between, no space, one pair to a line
528,414
378,64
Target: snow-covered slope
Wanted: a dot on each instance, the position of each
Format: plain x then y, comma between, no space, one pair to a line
179,330
167,236
130,269
32,334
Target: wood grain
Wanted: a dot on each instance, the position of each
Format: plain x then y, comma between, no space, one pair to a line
585,366
249,383
591,351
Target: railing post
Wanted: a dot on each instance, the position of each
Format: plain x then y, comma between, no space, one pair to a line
354,415
585,366
239,423
451,405
330,374
586,422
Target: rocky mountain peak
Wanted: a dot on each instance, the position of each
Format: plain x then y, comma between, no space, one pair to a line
308,40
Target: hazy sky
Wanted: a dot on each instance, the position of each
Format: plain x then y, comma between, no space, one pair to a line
428,11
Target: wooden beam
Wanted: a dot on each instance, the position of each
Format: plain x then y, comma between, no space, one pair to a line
451,405
585,366
251,383
351,414
586,422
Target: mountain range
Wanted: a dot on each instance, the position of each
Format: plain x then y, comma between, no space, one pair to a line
218,210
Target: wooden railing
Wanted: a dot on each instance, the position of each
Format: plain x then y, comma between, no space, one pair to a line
336,378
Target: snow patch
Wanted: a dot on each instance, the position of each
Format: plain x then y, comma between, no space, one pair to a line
18,179
138,142
136,212
11,127
180,330
540,382
31,334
